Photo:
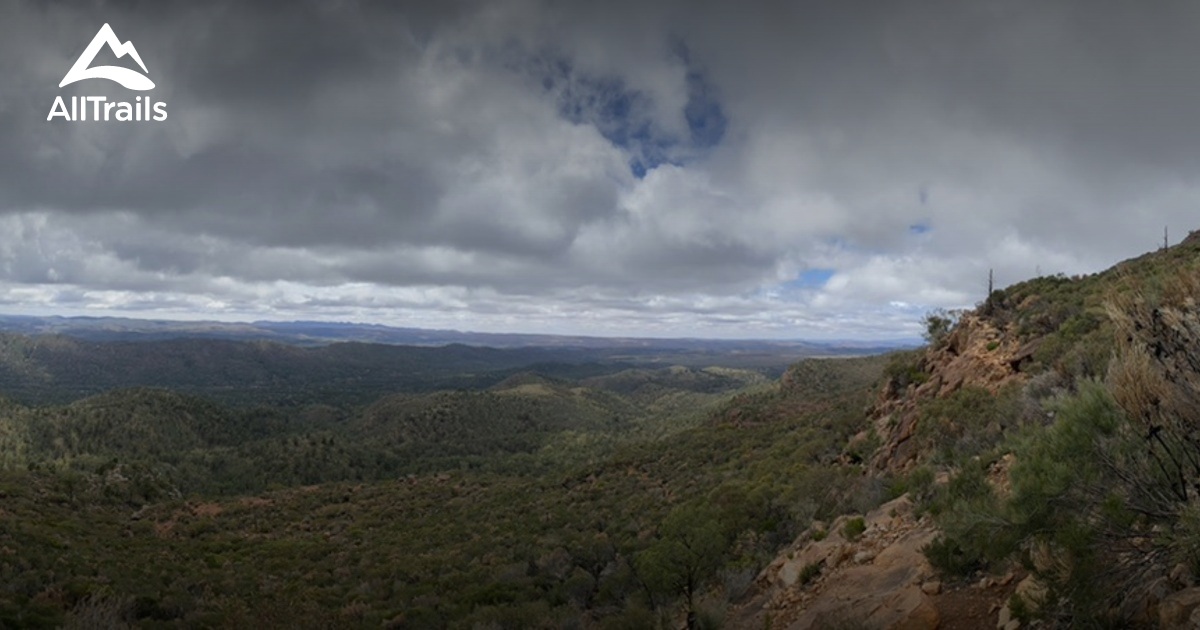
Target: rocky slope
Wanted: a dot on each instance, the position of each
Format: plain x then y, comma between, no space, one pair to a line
977,352
880,578
1037,339
832,577
876,576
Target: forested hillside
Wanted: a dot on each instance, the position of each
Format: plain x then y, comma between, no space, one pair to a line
1038,460
540,500
61,369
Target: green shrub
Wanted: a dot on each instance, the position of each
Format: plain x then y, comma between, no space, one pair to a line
904,369
939,324
854,528
811,571
918,484
1069,498
948,556
967,423
970,516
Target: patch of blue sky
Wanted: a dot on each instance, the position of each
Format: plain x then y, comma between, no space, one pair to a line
810,279
625,116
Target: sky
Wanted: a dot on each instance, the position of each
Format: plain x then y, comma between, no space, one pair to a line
812,170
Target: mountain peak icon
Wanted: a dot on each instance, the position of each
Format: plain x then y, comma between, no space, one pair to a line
130,79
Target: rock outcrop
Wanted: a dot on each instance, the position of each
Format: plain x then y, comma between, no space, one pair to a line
1180,610
879,578
976,353
1044,333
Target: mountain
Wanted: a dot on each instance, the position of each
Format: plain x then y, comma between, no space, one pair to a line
1034,464
58,368
1045,447
62,359
321,333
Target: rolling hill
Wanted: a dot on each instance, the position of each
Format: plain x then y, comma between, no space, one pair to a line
1035,462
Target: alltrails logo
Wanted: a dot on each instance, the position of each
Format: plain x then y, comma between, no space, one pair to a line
100,108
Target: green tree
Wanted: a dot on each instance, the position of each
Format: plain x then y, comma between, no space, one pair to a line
689,550
938,324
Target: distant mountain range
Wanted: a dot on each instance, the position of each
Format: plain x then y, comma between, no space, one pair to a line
310,333
44,359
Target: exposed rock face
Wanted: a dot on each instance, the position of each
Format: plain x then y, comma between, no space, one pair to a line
1180,610
882,579
879,580
976,353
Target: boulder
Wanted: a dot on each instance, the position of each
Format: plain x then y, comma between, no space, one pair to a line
1178,608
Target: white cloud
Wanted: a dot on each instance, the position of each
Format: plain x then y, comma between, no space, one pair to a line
471,166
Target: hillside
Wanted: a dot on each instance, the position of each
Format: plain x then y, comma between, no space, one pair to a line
1035,463
309,333
56,368
538,501
59,369
1046,444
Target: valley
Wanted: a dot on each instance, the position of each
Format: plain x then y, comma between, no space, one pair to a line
229,488
1032,463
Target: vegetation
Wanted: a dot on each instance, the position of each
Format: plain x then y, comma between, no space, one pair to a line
938,324
854,528
1101,497
968,422
614,498
905,368
810,572
266,486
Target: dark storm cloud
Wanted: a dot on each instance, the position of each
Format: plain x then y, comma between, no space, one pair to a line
674,166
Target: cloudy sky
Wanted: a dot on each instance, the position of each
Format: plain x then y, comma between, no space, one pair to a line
772,170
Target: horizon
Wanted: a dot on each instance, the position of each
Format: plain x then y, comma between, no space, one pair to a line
896,342
650,170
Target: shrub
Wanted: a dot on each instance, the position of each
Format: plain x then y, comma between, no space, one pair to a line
968,422
904,369
854,528
1102,498
1076,488
811,571
948,556
918,483
939,323
969,513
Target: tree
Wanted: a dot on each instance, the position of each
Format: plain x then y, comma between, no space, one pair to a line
938,324
689,549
